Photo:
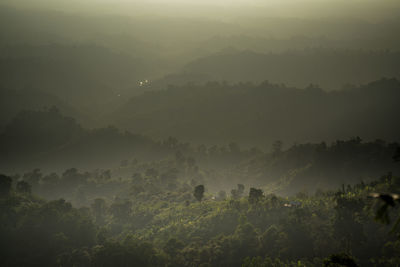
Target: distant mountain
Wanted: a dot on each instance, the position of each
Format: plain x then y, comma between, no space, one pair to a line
14,101
48,139
260,114
88,76
329,68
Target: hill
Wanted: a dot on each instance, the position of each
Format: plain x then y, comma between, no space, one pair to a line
14,101
88,76
329,68
260,114
47,139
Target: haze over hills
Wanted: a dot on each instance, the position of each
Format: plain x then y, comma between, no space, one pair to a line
240,133
14,101
330,69
260,114
26,145
92,63
187,38
47,139
73,73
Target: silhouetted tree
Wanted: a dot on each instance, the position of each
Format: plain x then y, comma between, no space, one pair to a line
396,156
199,192
23,187
5,184
255,195
337,260
237,193
33,177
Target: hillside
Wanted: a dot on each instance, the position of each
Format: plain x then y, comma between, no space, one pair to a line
261,114
47,139
88,76
329,68
14,101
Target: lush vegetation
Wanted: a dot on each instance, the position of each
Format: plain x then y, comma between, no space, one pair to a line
157,218
199,133
196,205
259,114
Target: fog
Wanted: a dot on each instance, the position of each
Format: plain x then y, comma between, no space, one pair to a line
199,133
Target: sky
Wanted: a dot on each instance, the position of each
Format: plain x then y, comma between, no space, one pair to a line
362,9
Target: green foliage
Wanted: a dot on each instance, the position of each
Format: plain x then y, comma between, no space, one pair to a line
98,195
259,113
23,187
255,195
337,260
38,233
144,212
129,252
237,193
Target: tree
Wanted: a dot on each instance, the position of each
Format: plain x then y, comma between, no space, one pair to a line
129,252
33,177
72,178
5,184
255,195
173,246
23,187
396,156
382,214
199,192
237,193
121,210
346,223
99,210
341,259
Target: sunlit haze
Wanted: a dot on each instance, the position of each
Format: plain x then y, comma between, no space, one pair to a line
188,133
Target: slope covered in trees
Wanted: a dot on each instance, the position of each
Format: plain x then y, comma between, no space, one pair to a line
14,101
145,221
329,68
48,139
261,114
88,77
26,145
199,133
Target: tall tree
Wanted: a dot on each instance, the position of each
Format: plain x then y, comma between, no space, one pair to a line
199,192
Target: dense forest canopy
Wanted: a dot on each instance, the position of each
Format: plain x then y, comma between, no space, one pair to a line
259,114
199,133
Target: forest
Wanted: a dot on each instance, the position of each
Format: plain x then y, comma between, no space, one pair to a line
175,212
199,133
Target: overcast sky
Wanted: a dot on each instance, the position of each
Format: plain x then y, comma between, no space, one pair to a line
362,9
